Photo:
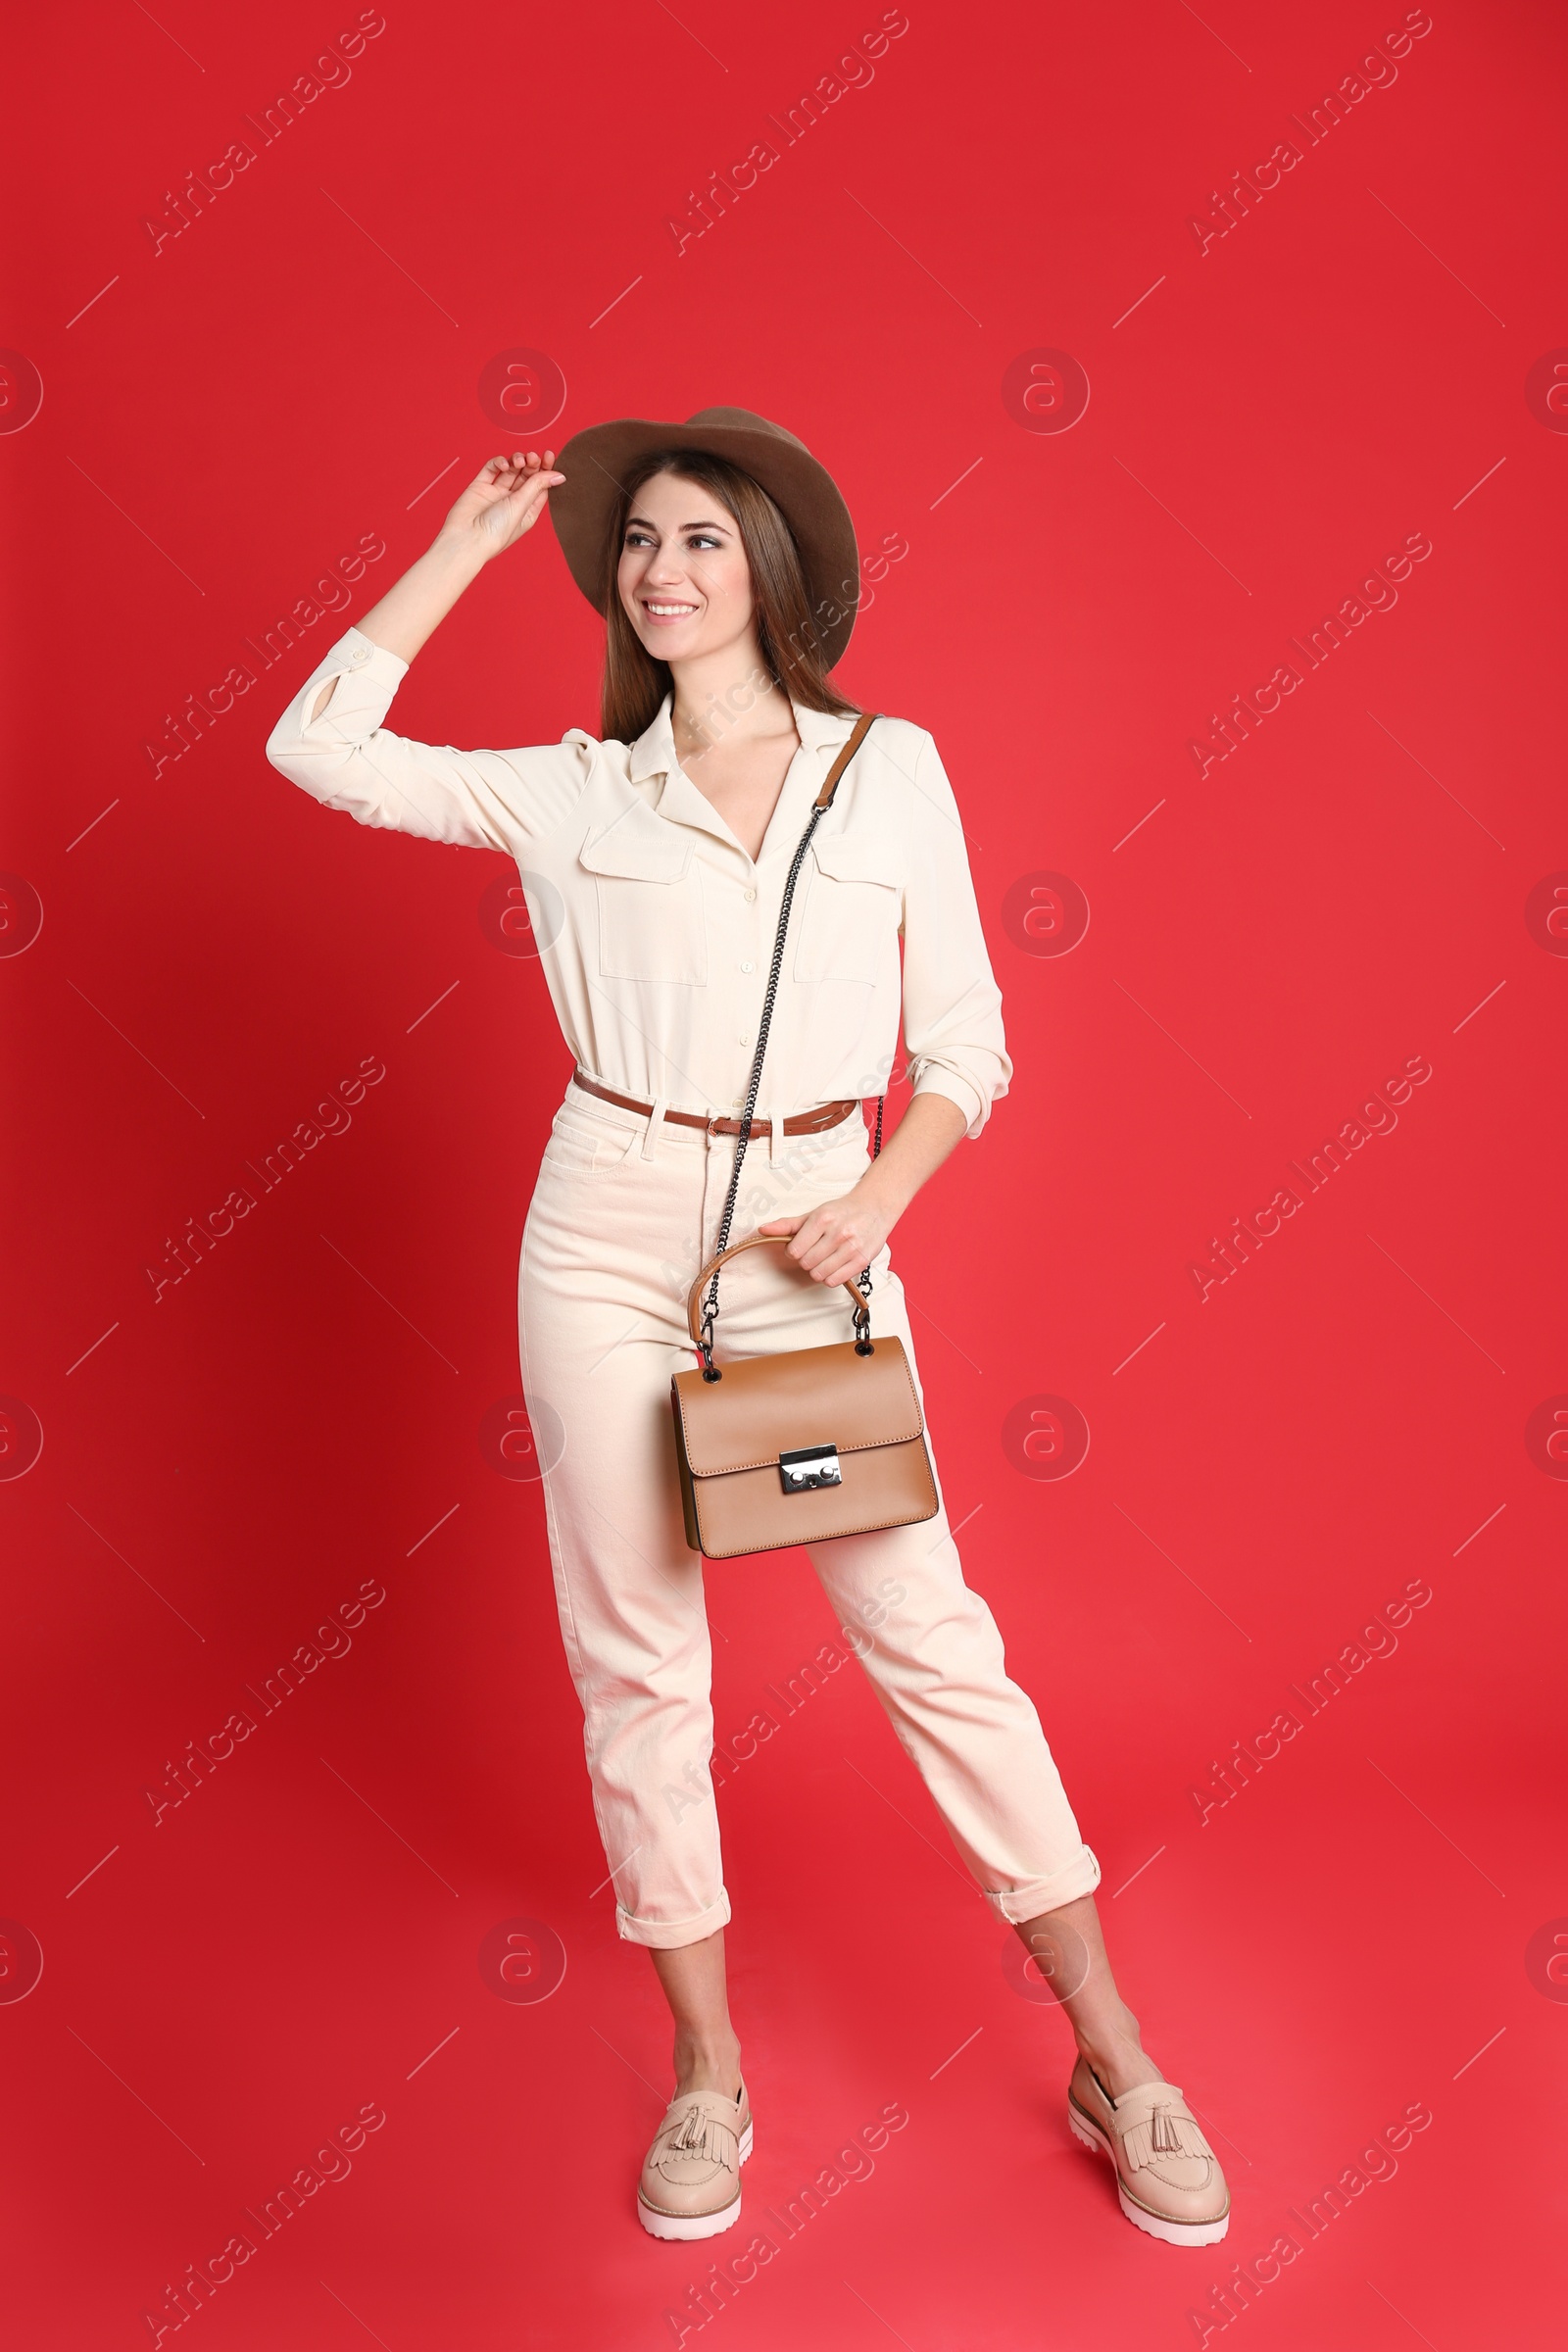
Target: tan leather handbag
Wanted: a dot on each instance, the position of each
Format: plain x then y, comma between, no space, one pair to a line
817,1441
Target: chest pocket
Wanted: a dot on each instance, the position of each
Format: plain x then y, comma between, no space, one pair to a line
853,909
650,892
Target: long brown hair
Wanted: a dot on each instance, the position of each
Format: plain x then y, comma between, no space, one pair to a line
635,682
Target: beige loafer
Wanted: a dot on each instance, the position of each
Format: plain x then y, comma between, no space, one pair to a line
691,2184
1167,2176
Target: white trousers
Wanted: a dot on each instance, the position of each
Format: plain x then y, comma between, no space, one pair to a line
624,1214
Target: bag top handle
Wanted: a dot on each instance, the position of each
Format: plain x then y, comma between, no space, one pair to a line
752,1241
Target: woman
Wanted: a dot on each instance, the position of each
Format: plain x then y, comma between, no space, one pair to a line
723,561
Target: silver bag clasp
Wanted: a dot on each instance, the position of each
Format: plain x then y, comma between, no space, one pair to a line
809,1466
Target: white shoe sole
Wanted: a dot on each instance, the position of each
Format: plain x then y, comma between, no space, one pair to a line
1172,2233
695,2224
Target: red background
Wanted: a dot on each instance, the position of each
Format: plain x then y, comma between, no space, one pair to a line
228,415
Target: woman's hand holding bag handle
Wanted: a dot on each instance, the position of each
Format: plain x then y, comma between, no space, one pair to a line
754,1241
814,1442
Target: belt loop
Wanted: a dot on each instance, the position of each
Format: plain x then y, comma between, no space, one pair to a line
776,1140
654,1127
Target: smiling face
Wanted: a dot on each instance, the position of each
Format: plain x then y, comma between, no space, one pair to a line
682,578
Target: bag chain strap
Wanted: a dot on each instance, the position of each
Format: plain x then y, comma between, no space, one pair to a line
862,1315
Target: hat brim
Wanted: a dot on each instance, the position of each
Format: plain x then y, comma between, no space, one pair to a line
597,460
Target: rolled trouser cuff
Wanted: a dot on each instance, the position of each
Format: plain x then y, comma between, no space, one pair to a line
669,1935
1016,1905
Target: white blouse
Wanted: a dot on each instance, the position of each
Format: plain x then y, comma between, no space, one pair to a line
656,927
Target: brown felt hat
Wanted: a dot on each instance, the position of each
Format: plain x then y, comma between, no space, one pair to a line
597,460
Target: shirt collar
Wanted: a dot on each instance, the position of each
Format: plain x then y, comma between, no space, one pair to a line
654,751
652,755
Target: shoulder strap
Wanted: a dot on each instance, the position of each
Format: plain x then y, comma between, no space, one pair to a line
824,800
830,782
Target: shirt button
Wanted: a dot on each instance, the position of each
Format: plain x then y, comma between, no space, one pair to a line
750,896
748,967
742,1039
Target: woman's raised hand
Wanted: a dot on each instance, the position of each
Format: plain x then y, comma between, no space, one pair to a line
506,499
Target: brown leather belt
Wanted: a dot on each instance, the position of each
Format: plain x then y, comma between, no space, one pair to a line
803,1122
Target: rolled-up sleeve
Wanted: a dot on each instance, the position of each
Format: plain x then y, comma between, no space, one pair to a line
952,1004
473,800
